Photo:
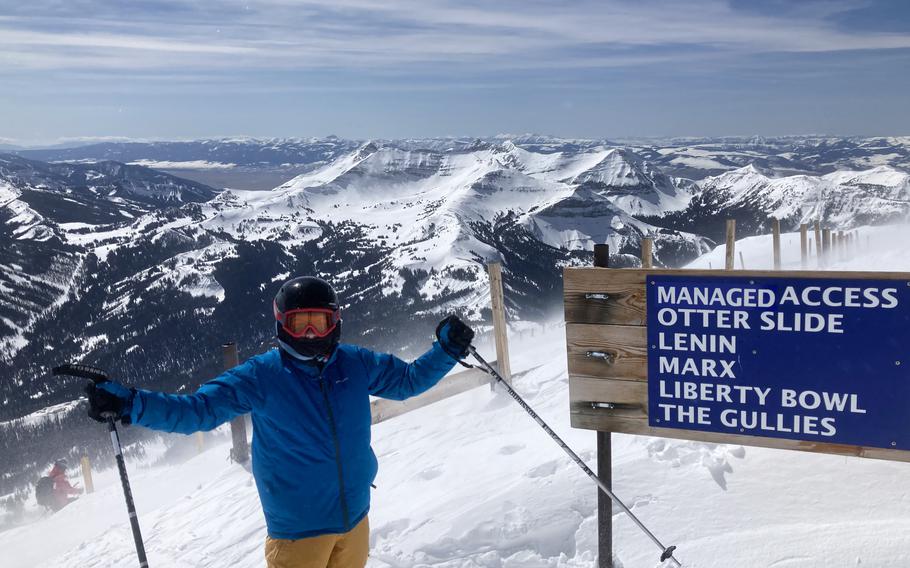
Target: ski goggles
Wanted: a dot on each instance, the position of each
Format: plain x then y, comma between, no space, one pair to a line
318,321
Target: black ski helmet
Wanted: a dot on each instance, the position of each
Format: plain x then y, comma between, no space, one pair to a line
307,292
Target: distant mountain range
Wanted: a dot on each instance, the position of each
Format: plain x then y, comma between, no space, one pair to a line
692,158
147,274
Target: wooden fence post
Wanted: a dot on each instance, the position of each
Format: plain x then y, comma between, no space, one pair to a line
731,244
87,475
775,242
804,246
826,245
240,452
742,263
604,463
500,328
819,251
647,250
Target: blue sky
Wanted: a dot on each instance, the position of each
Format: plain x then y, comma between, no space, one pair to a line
412,68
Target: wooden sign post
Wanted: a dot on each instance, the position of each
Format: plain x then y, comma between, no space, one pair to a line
87,475
775,243
500,329
240,451
804,246
604,461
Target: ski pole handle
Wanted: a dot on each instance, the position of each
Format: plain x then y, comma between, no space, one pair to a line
94,374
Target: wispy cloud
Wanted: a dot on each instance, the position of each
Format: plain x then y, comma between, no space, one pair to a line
359,34
379,67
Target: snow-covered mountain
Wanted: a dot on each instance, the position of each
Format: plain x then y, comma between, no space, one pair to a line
37,266
697,158
104,180
844,198
41,265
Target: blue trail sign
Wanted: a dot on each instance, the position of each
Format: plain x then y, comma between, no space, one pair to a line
816,359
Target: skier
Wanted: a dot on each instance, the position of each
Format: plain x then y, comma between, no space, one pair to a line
62,490
310,406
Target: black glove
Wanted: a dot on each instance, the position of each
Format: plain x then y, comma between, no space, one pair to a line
109,397
454,336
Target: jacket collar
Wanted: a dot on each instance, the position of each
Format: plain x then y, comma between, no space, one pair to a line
309,370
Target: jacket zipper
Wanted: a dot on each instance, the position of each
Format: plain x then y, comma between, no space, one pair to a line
328,406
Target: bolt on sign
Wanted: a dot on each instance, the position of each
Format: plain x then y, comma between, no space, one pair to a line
816,361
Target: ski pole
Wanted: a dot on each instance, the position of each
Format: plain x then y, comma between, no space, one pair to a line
98,376
666,551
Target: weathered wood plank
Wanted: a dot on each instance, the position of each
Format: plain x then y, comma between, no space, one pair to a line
458,383
607,351
500,327
600,419
775,243
804,246
601,295
647,253
629,398
591,389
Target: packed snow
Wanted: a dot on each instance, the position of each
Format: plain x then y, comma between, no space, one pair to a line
876,248
39,417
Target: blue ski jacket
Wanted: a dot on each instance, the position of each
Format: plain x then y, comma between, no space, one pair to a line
312,459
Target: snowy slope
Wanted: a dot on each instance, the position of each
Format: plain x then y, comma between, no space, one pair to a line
37,270
878,248
845,199
424,205
472,482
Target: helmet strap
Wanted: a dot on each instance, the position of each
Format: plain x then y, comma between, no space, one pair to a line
301,357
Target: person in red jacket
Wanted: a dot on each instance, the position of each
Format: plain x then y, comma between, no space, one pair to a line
63,489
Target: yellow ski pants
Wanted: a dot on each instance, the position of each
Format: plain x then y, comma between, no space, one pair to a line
346,550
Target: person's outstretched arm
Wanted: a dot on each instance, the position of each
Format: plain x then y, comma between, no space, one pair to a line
392,378
230,394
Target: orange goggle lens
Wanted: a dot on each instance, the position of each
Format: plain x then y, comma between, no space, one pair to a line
299,322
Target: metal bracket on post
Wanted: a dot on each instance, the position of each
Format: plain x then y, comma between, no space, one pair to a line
605,357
